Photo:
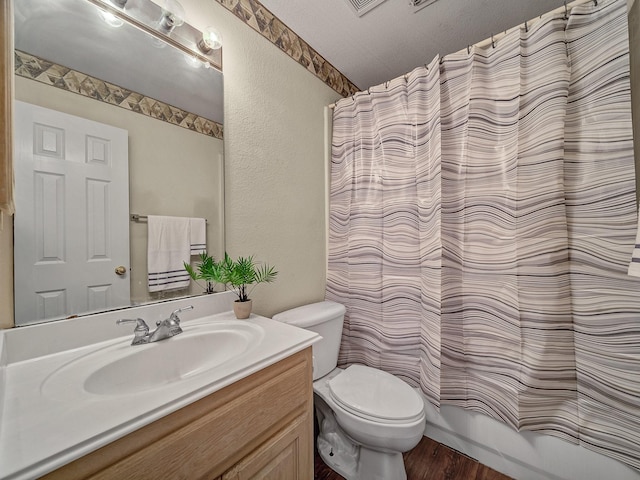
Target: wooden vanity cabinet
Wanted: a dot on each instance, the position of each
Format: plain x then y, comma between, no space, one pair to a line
260,426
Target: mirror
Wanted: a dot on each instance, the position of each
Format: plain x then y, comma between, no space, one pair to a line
68,59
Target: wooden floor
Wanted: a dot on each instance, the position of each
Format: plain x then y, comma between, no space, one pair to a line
430,460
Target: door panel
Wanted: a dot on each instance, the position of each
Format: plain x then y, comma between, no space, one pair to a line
72,223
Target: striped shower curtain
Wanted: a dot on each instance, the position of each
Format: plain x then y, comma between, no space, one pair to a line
482,215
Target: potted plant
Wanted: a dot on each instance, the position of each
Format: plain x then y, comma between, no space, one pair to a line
242,275
207,270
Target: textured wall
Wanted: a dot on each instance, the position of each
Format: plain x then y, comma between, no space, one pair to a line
274,166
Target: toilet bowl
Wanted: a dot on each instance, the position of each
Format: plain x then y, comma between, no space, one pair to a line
366,440
367,417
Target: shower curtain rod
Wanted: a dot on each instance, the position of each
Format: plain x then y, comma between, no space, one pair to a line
566,7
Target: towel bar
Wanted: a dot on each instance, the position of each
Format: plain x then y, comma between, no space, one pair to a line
134,217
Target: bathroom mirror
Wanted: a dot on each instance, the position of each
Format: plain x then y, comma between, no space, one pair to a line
169,104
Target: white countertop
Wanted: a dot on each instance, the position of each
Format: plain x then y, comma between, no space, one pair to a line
41,432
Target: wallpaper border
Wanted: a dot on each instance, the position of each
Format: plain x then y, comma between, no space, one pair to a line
259,18
36,68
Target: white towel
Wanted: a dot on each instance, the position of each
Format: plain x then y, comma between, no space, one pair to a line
634,266
198,236
168,248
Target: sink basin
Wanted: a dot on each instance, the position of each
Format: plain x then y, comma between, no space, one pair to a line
122,369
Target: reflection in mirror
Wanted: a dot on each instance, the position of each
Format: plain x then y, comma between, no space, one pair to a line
141,101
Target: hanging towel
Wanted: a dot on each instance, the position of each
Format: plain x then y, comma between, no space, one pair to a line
168,248
634,266
198,236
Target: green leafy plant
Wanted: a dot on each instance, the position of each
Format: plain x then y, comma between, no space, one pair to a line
244,274
207,270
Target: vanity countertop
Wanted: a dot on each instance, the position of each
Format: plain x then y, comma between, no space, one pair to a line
41,432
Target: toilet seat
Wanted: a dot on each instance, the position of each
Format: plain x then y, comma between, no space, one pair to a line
375,395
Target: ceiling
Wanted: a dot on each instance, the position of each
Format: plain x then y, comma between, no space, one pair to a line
394,37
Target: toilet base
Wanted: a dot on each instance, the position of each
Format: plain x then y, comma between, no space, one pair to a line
353,461
335,448
381,465
373,465
340,461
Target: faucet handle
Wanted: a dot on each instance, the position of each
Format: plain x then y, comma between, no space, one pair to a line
140,332
173,322
140,323
174,314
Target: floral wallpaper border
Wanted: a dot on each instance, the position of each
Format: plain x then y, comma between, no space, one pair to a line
255,15
49,73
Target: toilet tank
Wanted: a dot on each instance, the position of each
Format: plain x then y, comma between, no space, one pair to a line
326,319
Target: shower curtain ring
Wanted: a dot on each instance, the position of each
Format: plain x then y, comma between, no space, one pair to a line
566,11
526,27
468,49
493,44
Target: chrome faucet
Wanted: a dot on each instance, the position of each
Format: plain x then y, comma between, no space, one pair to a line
166,328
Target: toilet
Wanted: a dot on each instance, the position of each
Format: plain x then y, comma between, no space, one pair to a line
366,417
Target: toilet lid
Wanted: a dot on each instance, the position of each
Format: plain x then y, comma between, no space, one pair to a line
369,392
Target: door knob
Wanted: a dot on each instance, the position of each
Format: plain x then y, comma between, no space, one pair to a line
121,270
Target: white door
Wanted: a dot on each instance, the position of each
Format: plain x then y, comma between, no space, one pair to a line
72,215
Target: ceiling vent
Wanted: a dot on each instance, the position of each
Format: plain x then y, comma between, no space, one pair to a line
360,7
420,4
363,6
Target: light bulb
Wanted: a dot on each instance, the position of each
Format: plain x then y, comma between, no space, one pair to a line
211,40
172,16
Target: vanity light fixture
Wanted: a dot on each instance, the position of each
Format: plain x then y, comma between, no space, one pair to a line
172,16
211,40
166,23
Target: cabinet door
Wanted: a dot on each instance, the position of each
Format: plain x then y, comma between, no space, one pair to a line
282,457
